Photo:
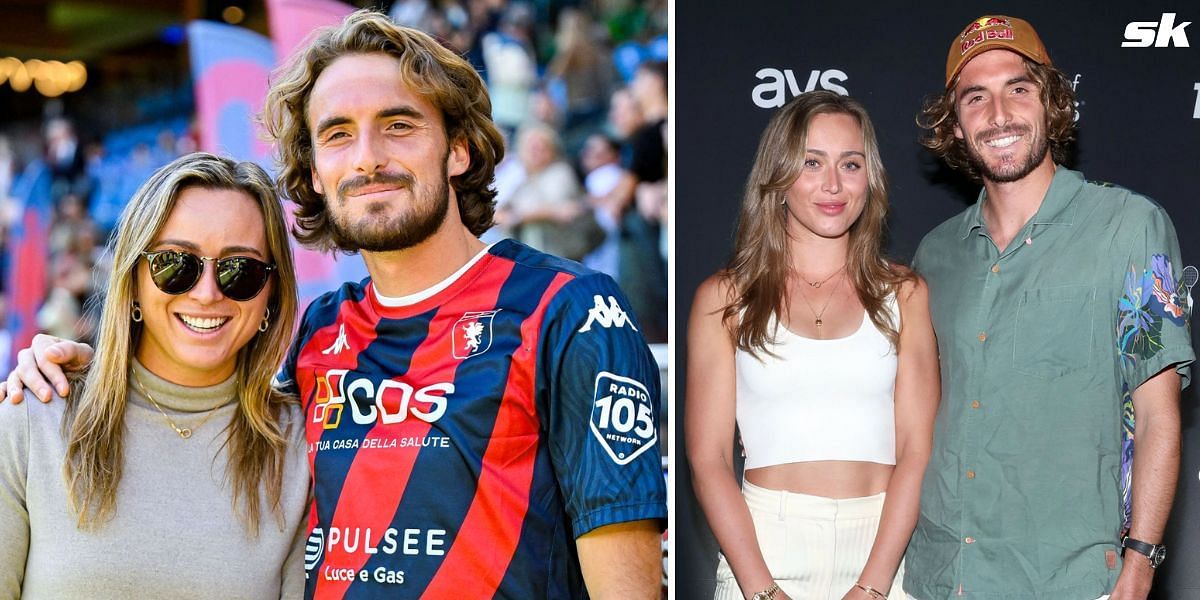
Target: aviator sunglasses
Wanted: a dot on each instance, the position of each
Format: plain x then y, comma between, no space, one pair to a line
238,277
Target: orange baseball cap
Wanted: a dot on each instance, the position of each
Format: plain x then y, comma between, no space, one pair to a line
989,33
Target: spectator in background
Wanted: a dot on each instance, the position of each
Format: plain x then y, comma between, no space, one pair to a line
601,162
643,272
70,217
165,149
546,210
483,18
413,13
511,66
65,158
74,249
584,70
8,167
624,118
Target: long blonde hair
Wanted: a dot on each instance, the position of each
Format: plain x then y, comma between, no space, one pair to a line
759,269
94,425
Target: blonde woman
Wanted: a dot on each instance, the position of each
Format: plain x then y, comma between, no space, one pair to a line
821,352
173,469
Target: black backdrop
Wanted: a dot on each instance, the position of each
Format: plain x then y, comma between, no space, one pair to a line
1139,127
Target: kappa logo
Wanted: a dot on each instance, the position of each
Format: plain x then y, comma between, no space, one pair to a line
340,343
473,334
607,315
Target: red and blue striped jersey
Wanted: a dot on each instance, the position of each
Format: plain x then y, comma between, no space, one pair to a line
459,444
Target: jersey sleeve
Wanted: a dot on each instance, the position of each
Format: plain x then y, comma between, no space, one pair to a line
1153,310
599,388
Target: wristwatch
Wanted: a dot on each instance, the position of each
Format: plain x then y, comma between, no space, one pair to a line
1157,553
767,594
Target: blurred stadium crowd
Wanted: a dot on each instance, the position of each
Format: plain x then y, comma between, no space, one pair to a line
579,89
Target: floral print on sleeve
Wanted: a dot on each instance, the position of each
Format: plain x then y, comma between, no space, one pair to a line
1151,300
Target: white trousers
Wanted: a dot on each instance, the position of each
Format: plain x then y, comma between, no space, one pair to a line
1104,597
815,547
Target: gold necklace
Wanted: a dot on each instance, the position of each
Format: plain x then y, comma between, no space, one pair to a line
184,432
821,282
817,315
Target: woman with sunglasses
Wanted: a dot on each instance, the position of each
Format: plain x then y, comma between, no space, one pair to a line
173,468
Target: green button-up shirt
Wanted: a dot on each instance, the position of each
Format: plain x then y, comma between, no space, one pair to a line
1041,345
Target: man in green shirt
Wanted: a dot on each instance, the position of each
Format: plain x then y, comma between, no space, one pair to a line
1057,306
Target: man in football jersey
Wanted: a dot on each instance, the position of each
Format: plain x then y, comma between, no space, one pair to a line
482,420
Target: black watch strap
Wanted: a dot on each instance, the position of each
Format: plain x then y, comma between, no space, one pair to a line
1157,553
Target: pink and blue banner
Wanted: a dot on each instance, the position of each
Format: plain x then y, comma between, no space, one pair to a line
27,251
292,22
230,70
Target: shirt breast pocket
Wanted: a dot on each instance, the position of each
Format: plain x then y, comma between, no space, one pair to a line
1053,334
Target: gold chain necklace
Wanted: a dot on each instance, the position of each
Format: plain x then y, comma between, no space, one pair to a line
817,315
184,432
821,282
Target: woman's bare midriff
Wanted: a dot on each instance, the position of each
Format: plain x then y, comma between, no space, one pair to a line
825,478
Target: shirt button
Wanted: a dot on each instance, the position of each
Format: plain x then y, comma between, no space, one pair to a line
975,404
969,540
970,474
995,268
982,336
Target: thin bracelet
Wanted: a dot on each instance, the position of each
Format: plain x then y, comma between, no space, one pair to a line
872,592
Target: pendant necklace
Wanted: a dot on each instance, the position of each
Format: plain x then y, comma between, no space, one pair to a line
817,315
820,282
184,432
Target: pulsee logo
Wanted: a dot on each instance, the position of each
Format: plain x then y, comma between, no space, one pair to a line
1163,33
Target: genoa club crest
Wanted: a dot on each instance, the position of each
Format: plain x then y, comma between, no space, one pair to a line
473,334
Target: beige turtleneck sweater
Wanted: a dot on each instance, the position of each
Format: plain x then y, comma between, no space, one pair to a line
174,534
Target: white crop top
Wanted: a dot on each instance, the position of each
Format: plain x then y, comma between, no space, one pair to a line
819,399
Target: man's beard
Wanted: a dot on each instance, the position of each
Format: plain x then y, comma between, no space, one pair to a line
375,233
1010,172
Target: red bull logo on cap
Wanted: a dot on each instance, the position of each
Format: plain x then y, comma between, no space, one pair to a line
985,29
984,23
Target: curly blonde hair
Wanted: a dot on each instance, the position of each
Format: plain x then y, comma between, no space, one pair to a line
435,73
1058,98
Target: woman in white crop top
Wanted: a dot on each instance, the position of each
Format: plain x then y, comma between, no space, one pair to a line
822,353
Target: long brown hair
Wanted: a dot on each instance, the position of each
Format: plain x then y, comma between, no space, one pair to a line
939,118
436,74
761,264
94,424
